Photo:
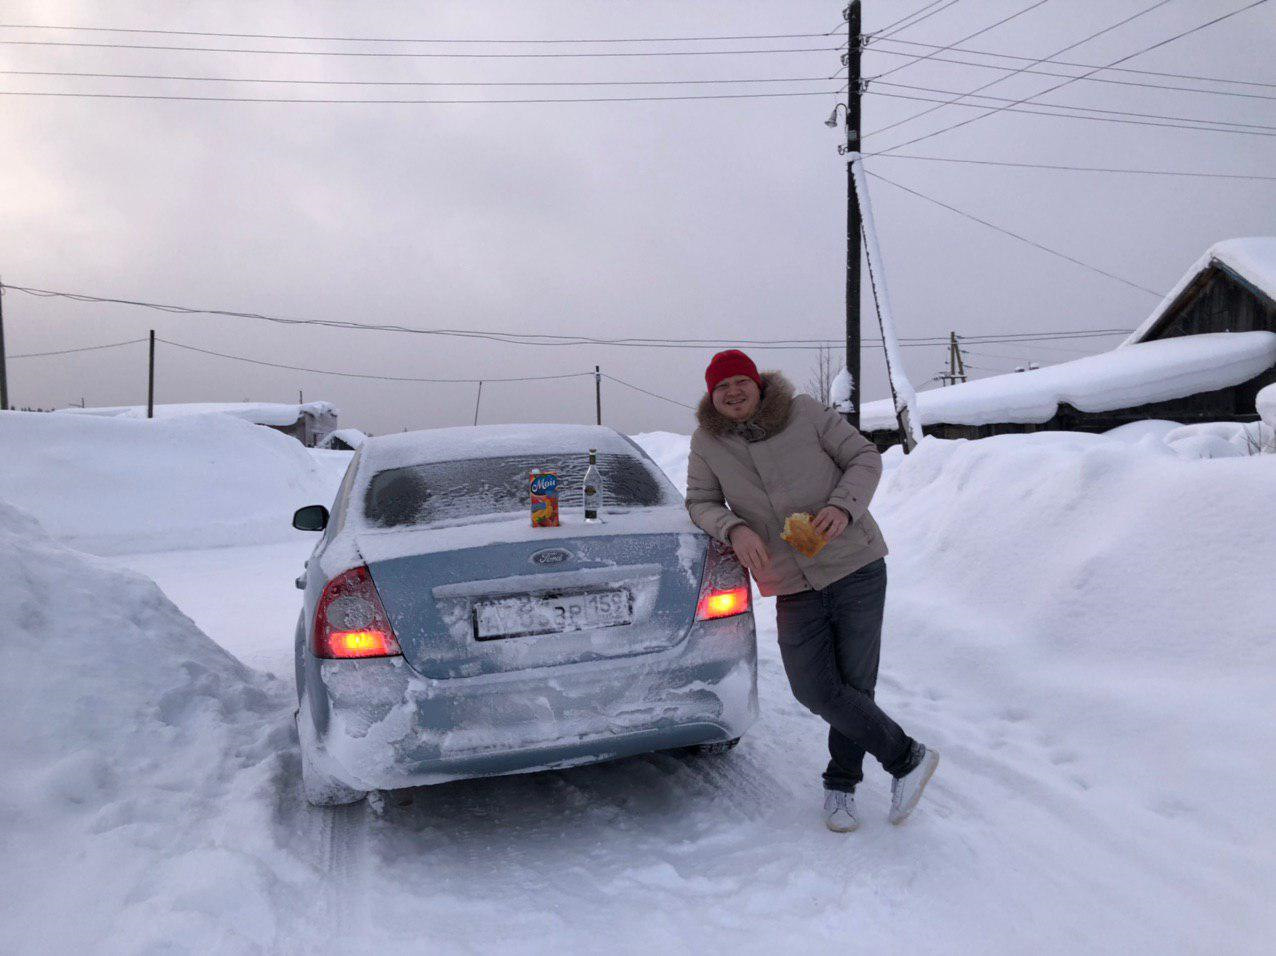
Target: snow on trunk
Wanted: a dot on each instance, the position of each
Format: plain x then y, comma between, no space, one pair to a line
840,391
902,391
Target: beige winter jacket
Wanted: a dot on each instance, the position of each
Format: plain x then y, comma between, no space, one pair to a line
793,455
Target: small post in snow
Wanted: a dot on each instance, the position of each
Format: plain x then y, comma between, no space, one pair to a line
4,374
598,394
902,393
150,381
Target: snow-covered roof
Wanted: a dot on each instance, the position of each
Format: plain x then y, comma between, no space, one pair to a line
1252,259
1138,374
490,441
259,413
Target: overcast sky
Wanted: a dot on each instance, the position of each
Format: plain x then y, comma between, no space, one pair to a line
699,219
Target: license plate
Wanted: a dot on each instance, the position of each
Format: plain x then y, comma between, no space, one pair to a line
526,614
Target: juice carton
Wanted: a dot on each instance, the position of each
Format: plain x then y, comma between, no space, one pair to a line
544,490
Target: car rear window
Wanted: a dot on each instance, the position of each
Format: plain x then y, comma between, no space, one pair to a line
450,490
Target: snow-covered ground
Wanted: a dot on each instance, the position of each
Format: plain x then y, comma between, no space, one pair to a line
1081,624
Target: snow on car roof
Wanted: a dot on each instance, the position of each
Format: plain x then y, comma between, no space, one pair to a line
1137,374
1253,259
259,413
490,441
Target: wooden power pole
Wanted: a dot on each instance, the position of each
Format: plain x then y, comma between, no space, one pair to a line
150,381
4,373
853,224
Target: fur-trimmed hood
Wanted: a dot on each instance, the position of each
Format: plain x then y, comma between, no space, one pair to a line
770,418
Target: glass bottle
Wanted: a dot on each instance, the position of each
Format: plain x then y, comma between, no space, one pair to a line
593,487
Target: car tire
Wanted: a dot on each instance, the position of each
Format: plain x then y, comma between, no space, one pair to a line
319,789
717,747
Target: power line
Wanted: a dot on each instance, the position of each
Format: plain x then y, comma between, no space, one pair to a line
510,338
86,348
663,398
969,36
407,55
1129,56
1093,79
1084,169
1053,62
418,102
249,79
892,29
1066,106
1043,112
881,31
383,378
343,39
1015,235
999,79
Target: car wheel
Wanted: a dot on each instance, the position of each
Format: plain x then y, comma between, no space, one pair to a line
319,788
717,747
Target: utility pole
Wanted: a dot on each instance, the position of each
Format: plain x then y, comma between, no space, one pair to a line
598,394
956,364
477,400
150,381
853,224
4,374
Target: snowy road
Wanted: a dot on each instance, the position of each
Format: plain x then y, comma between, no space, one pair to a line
1025,834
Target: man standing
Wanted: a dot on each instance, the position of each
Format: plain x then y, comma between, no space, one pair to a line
760,454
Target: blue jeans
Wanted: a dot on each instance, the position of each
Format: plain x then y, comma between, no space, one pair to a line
830,642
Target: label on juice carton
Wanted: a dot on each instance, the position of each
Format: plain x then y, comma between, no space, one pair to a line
544,499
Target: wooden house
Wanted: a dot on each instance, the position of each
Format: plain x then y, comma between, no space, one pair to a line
1201,356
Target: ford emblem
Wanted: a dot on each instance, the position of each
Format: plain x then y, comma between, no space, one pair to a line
551,556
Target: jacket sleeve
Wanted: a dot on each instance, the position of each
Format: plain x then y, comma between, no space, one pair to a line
859,459
705,503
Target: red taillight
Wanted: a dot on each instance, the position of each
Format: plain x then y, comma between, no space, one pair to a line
351,621
724,588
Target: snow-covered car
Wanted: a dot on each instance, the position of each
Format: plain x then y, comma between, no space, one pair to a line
444,637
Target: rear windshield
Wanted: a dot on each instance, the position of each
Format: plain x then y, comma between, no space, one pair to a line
450,490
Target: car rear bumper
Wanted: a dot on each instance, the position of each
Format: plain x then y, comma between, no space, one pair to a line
379,725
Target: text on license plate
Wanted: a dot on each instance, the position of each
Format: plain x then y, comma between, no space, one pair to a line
527,614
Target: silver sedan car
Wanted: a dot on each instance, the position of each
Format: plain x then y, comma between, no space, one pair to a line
443,636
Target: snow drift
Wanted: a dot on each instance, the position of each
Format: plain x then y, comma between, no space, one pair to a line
139,761
120,485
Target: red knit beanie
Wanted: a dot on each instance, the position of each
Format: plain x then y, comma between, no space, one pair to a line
728,363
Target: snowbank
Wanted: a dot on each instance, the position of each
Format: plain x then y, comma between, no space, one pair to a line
259,413
1253,259
1265,402
119,485
140,761
1124,378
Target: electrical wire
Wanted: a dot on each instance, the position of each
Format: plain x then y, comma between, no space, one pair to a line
1081,66
892,29
1042,112
1129,56
405,102
509,338
406,55
383,378
249,79
969,36
1000,79
636,388
881,31
1084,169
1068,106
1092,79
85,348
342,39
1015,235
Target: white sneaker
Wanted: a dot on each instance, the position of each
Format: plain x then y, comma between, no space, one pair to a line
839,811
907,790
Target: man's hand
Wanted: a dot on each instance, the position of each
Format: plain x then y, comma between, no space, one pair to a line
831,521
749,549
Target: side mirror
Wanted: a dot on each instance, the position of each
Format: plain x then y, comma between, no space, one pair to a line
310,518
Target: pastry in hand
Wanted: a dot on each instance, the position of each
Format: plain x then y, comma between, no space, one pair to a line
801,534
